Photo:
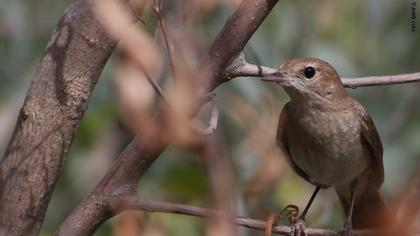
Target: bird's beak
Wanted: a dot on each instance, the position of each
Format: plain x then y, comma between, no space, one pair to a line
277,77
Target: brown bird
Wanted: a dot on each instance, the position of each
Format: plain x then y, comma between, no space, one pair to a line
330,140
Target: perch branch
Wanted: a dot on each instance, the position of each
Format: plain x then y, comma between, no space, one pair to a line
134,203
240,68
381,80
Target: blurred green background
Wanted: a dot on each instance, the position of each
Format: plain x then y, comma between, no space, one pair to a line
359,38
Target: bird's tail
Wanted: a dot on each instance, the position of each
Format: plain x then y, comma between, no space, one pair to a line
370,211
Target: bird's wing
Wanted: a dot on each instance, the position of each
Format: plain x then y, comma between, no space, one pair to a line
372,140
283,145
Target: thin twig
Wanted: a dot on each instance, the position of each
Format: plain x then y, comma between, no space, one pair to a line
155,86
158,10
215,109
381,80
214,113
134,203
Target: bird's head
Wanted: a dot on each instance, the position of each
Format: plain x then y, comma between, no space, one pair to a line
307,78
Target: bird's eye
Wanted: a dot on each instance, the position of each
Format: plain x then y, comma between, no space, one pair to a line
309,72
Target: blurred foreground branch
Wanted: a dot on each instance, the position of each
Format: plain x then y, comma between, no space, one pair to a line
134,203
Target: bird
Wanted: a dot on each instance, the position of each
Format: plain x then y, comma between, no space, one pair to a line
330,140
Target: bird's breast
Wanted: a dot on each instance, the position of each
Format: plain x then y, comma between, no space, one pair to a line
327,146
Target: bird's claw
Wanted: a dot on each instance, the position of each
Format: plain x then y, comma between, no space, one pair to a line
292,212
298,229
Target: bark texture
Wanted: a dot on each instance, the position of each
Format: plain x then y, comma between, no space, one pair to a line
54,105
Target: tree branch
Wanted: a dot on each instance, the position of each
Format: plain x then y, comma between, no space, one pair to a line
134,203
240,68
232,39
381,80
54,105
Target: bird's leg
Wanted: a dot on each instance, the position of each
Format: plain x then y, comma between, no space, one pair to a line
299,227
347,226
305,211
